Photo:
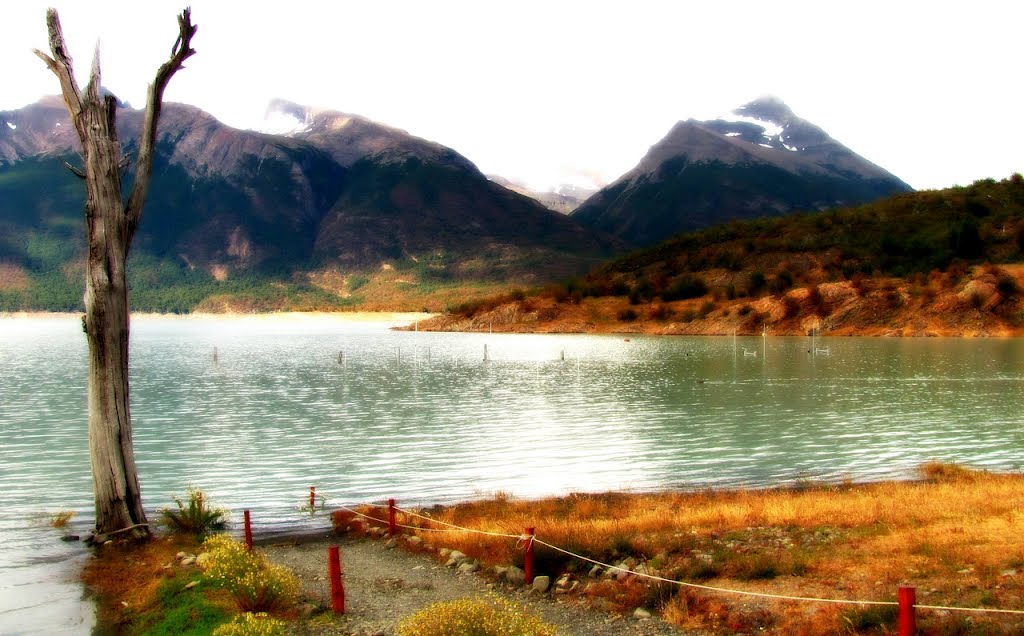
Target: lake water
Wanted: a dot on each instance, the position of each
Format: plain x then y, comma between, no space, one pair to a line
365,413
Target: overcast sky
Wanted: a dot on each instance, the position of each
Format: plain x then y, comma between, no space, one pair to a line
552,90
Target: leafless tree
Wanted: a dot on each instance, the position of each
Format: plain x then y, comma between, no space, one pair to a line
111,221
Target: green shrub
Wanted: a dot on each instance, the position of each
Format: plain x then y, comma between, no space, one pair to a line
491,616
249,624
255,584
197,517
872,617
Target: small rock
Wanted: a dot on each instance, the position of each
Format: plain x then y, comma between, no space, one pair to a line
391,544
965,571
189,560
541,584
641,613
1008,573
181,555
469,567
515,576
455,559
414,541
191,584
443,553
68,538
595,571
307,610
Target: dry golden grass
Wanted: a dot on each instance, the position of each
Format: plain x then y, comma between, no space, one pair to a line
957,536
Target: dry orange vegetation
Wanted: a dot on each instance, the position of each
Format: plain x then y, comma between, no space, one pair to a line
975,303
957,537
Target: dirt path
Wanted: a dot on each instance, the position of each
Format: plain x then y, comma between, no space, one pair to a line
383,586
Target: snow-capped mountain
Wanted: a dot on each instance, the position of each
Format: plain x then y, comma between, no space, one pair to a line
759,160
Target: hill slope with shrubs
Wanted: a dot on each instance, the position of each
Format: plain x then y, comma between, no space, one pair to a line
943,262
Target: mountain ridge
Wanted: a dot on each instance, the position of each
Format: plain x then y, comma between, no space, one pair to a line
764,161
344,196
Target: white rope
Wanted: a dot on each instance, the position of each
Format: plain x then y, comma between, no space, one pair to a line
523,539
969,609
714,589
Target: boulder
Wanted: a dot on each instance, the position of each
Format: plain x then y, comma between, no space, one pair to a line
455,559
541,584
513,576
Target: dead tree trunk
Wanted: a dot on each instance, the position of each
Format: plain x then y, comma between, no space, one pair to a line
110,225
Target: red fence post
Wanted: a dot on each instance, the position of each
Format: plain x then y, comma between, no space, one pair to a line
334,573
248,531
907,622
312,498
392,525
528,559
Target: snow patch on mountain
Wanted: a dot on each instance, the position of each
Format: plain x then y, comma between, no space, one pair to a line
12,126
282,123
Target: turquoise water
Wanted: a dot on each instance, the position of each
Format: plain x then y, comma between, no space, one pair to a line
365,413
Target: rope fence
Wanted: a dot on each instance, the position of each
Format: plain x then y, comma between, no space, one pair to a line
907,598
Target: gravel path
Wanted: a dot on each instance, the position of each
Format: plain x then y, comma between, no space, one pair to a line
383,586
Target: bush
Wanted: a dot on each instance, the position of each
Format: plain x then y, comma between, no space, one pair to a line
250,624
492,616
197,518
255,584
756,282
792,307
661,312
627,315
685,287
1007,285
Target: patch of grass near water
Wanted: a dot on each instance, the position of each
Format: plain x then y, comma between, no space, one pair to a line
183,612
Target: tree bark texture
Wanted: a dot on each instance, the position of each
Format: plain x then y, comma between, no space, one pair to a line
110,225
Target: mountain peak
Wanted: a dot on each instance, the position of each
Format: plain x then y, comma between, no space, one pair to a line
283,117
759,160
767,108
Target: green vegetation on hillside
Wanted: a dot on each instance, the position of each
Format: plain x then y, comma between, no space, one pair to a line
903,235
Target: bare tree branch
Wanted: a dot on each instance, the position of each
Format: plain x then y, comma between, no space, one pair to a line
62,66
78,172
92,88
181,51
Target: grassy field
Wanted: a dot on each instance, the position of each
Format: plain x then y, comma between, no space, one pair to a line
957,536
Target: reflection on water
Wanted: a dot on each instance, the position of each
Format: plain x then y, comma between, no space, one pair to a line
365,414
